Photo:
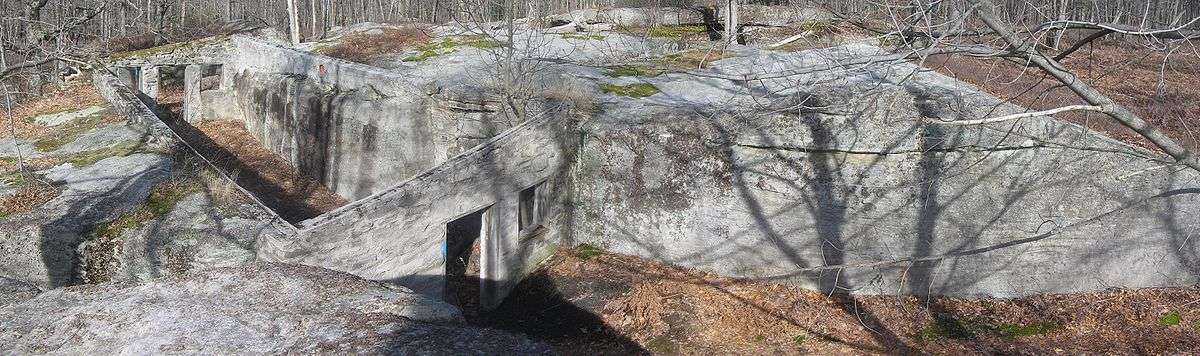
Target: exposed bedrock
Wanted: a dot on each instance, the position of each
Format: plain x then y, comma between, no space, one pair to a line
258,308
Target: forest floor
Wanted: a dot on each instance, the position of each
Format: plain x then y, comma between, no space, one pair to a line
1165,91
587,301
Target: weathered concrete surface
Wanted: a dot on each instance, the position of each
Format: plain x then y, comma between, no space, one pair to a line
361,129
195,235
13,291
103,137
64,117
633,17
830,177
702,176
15,147
399,234
255,309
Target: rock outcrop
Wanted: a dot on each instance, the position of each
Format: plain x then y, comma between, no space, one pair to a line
256,308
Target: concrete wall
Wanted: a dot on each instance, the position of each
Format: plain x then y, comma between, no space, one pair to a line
125,99
399,234
1015,208
357,128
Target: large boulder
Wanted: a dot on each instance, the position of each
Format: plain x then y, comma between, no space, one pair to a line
256,308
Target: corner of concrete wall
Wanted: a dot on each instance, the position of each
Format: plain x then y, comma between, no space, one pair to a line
124,100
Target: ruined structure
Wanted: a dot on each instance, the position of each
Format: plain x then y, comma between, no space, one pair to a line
822,174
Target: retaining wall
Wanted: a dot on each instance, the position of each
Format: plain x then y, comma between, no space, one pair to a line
356,128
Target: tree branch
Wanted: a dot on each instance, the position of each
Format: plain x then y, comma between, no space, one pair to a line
1177,33
1023,115
1089,94
1092,37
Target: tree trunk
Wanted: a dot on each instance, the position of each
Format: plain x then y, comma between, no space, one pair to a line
293,22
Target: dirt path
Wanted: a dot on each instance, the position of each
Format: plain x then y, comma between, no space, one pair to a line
589,302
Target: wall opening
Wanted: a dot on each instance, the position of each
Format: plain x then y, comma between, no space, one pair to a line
210,77
464,260
170,91
530,208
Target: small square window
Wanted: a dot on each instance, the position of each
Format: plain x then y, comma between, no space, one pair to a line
531,207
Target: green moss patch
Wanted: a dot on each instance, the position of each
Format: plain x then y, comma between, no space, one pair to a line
67,133
587,251
447,45
633,70
106,236
675,31
168,48
583,36
637,90
946,326
1170,319
88,158
15,179
949,327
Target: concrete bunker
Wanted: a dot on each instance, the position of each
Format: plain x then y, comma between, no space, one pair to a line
723,197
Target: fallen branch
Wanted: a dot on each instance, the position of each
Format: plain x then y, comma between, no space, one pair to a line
1024,115
1177,33
790,39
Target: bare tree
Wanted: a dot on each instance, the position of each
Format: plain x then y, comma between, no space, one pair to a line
1009,31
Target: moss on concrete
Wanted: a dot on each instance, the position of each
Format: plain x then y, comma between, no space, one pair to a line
637,90
587,251
691,59
675,31
633,70
447,45
583,36
167,48
105,237
122,149
68,132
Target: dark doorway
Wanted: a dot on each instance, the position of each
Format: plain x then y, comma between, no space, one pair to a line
464,238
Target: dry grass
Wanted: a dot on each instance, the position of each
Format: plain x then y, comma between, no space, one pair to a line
669,310
1166,95
29,195
362,47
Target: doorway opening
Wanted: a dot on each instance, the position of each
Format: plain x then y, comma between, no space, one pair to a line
464,248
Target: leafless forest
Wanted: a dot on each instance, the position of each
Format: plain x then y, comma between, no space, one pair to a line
42,39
